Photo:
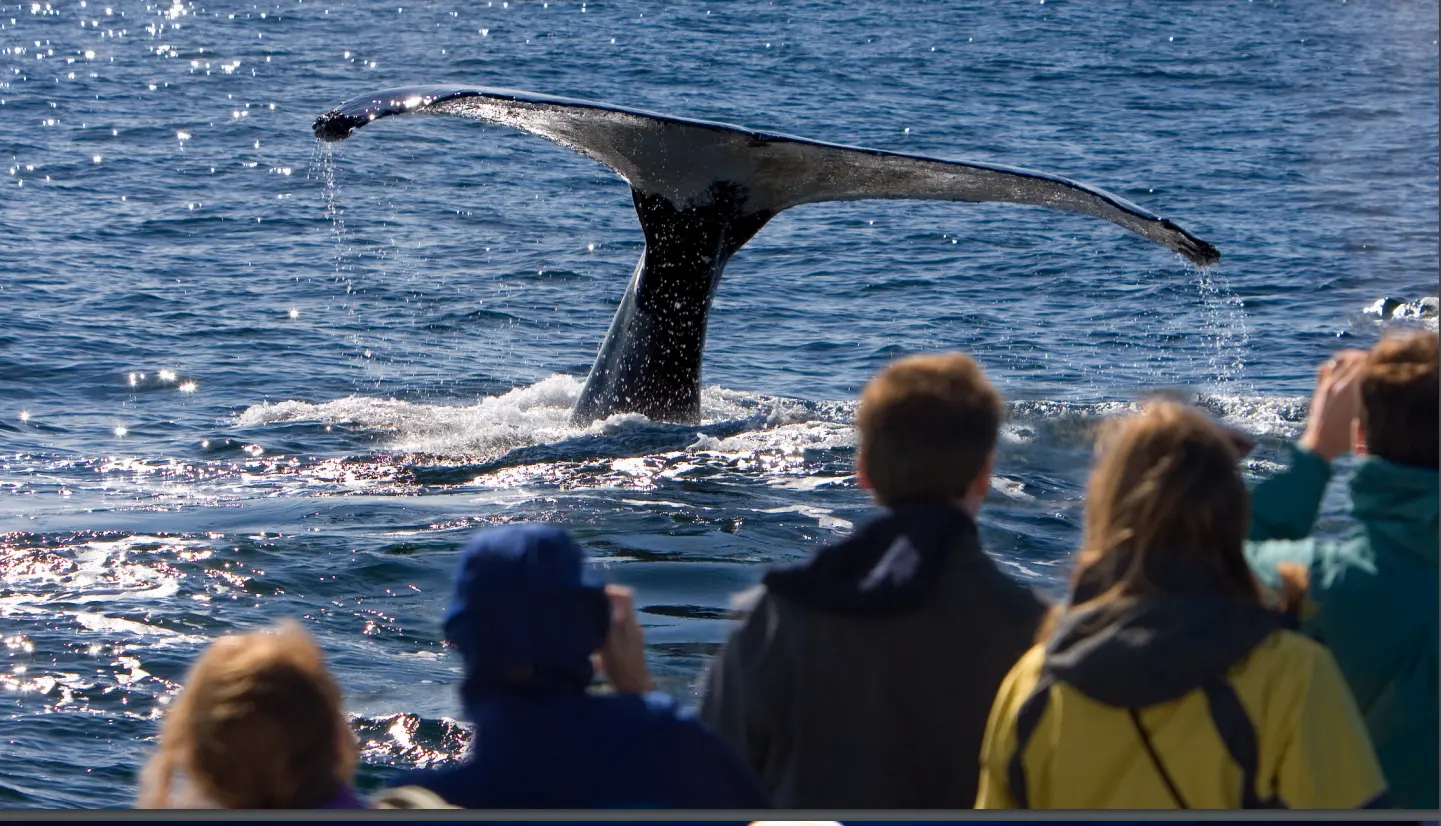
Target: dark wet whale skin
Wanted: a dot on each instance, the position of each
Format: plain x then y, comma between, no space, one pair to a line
650,360
701,191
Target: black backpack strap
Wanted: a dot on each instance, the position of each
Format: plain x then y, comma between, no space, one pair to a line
1027,718
1239,735
1156,760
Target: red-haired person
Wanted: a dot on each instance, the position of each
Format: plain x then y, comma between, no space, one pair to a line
258,725
1373,596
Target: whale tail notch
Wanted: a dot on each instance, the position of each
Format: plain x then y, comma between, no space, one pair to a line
697,213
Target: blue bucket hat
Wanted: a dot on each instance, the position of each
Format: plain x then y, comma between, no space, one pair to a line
527,612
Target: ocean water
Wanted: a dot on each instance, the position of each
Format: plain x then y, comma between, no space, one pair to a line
246,377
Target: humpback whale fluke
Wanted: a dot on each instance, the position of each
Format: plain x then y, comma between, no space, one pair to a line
702,190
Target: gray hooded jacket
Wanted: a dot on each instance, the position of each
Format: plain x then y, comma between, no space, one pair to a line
863,678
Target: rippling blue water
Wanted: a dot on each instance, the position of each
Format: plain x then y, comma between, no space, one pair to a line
243,378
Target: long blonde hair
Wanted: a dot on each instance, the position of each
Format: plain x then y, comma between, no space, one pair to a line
1166,482
258,725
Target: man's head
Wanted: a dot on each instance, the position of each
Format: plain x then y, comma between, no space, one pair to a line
527,612
1399,391
928,426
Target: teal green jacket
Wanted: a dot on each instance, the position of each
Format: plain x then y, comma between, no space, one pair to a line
1372,600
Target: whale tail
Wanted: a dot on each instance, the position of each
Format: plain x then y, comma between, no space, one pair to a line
701,191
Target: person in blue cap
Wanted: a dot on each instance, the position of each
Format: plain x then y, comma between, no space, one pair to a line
531,620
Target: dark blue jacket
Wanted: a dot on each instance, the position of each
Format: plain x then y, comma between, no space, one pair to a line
581,752
526,616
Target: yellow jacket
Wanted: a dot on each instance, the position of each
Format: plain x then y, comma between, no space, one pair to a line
1310,746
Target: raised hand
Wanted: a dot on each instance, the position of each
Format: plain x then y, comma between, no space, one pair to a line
1335,405
622,655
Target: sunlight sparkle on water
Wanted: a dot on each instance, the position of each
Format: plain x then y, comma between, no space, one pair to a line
294,313
121,430
24,415
187,387
167,375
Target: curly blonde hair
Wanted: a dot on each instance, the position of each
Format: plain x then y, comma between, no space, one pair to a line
258,726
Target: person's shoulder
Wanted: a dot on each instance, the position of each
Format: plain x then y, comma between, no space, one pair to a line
766,614
665,706
1286,656
409,797
674,723
747,602
1028,667
1291,648
1012,595
1025,599
417,784
656,708
1021,681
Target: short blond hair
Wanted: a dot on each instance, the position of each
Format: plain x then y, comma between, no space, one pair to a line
258,725
927,426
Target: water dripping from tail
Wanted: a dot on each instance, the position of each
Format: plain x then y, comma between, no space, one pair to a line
1223,322
322,167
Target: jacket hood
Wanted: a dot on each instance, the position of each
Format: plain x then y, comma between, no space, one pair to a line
889,566
1398,502
527,613
1160,647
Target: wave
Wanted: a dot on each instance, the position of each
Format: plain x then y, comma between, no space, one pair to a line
539,414
524,438
1423,312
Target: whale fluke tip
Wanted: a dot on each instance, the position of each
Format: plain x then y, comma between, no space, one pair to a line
1201,253
1208,255
334,126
